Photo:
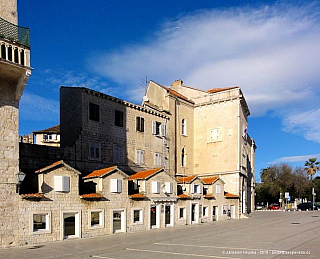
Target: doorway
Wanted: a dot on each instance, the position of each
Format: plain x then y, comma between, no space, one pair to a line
70,225
194,213
118,221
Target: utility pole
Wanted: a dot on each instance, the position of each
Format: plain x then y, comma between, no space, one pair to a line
313,198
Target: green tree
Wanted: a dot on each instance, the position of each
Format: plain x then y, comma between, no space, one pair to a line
311,166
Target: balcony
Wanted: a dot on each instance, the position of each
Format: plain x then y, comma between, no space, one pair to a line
14,33
14,43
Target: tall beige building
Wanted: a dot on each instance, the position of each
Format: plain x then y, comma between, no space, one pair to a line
14,74
208,135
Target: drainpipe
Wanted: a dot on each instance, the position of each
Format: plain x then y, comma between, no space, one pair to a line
175,136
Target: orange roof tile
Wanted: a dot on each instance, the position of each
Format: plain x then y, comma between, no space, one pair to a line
91,196
144,174
230,195
175,93
49,166
186,179
138,196
209,196
216,90
209,180
100,172
184,196
54,129
31,195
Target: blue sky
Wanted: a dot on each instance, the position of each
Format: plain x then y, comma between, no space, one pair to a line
268,48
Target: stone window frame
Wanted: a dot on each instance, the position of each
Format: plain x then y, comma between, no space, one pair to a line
95,117
140,124
119,118
96,145
140,157
141,211
157,159
184,131
48,222
184,216
205,211
218,189
101,218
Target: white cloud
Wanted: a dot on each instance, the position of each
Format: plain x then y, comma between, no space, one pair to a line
271,52
36,108
294,159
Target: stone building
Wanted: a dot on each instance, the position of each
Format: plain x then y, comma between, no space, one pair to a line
208,133
14,73
100,131
48,137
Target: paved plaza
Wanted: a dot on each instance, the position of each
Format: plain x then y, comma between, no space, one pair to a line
265,234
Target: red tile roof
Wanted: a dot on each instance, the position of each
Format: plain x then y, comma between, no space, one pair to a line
175,93
32,196
186,179
100,172
138,196
54,129
184,196
91,196
209,196
216,90
144,174
210,180
50,166
230,195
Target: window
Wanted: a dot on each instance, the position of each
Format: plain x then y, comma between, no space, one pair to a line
118,154
94,112
118,121
225,209
184,127
168,187
205,211
40,222
61,183
196,188
218,189
157,160
215,134
205,190
137,216
96,218
116,185
156,128
183,157
140,124
139,157
182,213
155,187
94,150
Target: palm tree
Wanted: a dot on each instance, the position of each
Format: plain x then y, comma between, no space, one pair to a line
311,166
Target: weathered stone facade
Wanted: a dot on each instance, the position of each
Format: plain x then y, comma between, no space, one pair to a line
209,136
13,78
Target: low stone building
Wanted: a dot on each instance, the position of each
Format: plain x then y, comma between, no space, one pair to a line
48,137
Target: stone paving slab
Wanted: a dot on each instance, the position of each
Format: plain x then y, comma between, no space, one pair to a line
262,235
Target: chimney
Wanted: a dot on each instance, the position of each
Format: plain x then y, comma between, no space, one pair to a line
178,82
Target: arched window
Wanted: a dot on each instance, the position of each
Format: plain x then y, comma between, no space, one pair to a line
184,127
183,157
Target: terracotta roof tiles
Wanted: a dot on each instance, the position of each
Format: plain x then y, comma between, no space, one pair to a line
54,129
100,172
91,196
216,90
50,166
186,179
144,174
138,196
230,195
32,196
209,196
184,196
210,180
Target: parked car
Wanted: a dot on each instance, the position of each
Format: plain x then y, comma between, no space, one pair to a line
307,206
274,207
259,206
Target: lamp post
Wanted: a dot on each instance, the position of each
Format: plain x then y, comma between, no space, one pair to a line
20,177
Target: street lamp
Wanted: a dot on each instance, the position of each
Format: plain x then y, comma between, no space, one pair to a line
20,177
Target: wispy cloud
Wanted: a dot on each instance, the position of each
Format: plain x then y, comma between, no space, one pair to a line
295,159
271,52
36,108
